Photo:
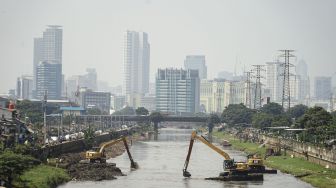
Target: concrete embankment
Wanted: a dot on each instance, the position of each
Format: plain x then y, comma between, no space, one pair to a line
316,175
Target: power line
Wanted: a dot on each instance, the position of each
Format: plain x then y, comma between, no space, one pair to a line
286,94
248,100
257,96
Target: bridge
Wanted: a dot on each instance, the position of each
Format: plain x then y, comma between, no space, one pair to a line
111,120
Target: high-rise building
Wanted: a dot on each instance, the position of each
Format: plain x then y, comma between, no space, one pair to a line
217,94
196,62
136,63
49,78
303,81
92,99
24,87
48,49
177,91
273,80
322,88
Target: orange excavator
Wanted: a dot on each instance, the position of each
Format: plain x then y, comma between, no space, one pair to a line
233,171
98,153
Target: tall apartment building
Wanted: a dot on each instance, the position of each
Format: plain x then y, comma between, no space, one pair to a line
322,88
136,63
24,87
177,91
48,48
93,99
49,78
196,62
217,94
273,80
303,81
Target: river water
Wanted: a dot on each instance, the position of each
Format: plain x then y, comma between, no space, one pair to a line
161,163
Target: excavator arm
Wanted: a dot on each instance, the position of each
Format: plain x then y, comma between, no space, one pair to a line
228,161
113,142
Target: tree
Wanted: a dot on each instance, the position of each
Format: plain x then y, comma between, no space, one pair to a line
156,117
319,125
281,121
212,120
30,109
13,165
297,111
315,117
125,111
237,114
94,111
272,108
141,111
262,120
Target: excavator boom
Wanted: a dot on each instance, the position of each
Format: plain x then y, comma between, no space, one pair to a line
194,136
99,155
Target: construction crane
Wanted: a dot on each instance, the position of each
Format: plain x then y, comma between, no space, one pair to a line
98,153
236,171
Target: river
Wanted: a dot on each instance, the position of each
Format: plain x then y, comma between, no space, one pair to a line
161,164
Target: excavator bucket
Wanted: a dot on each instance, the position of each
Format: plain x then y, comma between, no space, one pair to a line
186,174
134,165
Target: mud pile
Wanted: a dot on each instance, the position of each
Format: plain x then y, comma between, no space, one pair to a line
94,171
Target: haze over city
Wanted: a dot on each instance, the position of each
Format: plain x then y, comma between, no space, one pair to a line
231,34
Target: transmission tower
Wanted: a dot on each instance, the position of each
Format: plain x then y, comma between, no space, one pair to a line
248,89
286,95
257,96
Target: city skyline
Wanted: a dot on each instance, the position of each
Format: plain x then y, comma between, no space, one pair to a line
92,43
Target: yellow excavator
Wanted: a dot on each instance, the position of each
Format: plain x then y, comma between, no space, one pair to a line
98,153
233,171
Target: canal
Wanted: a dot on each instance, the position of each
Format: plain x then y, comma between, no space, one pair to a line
161,164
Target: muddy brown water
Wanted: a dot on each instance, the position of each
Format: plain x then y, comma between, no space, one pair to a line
161,164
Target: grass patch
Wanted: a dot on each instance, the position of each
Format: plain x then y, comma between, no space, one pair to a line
312,173
43,176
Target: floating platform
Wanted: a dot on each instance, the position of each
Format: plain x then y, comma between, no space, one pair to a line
249,177
265,171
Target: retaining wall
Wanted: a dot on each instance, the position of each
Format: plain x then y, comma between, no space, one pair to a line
319,155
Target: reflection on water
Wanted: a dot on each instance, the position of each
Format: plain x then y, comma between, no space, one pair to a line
161,162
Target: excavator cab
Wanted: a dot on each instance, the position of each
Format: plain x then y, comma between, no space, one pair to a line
98,153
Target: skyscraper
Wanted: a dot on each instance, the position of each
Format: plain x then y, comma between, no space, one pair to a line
303,80
24,87
196,62
177,91
136,63
48,48
49,78
273,80
322,88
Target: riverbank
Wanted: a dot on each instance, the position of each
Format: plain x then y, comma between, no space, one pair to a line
311,173
43,176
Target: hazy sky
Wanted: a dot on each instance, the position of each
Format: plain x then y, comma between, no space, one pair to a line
223,30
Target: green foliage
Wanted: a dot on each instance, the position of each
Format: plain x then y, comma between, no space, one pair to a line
88,137
95,111
33,110
315,117
262,120
212,120
237,114
281,121
13,165
141,111
44,176
297,111
125,111
156,117
272,109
